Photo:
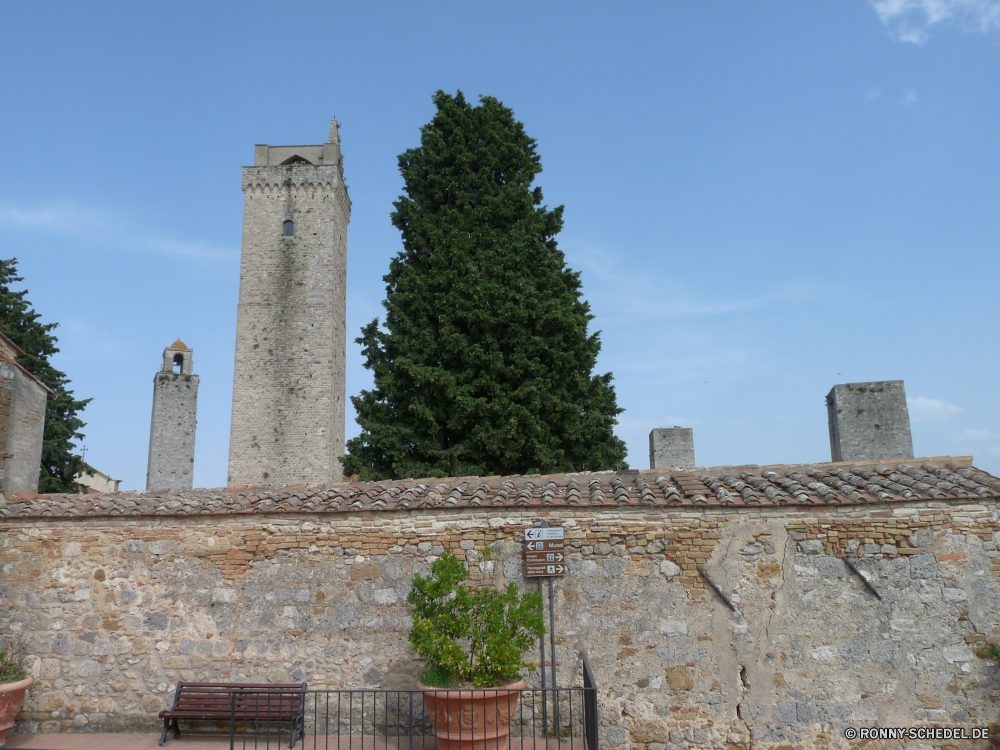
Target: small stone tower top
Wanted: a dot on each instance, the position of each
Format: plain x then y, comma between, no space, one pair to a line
326,154
869,422
671,448
178,355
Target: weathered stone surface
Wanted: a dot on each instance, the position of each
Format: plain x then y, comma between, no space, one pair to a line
283,600
679,679
669,569
649,730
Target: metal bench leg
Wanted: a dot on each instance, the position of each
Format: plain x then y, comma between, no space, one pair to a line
177,730
298,731
163,737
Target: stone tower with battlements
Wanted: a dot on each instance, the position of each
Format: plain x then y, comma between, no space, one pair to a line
291,325
175,416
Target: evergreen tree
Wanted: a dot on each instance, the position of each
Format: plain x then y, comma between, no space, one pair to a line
485,364
19,322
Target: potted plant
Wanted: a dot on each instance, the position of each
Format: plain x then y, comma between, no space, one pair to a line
471,638
14,682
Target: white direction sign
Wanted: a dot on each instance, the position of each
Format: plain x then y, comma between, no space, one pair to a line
547,532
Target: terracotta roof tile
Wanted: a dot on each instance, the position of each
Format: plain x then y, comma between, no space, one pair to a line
840,484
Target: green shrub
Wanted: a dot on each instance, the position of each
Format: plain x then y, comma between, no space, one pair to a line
13,656
471,636
992,651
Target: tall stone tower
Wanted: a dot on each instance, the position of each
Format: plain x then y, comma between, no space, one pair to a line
869,421
291,325
175,416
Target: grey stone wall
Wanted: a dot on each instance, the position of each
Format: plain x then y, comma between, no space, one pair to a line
671,448
869,421
118,609
172,432
289,387
25,430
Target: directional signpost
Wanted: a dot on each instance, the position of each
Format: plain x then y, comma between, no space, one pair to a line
545,552
545,557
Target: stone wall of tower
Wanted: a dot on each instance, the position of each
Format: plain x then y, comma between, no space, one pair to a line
22,427
671,448
869,421
289,386
171,435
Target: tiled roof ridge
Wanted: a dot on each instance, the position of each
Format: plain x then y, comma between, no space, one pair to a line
843,484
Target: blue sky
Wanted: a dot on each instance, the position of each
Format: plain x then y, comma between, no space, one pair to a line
764,199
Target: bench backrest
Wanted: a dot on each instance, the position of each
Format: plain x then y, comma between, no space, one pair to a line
252,701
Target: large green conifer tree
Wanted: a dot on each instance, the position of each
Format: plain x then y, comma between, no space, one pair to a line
485,364
20,323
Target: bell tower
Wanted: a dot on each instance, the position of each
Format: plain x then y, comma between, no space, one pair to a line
291,324
175,417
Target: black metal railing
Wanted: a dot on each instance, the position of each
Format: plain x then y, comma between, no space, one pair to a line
392,719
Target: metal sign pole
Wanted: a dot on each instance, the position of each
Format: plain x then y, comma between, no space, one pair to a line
544,557
552,643
541,643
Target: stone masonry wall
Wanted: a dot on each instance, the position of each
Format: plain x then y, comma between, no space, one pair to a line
289,387
869,421
118,609
25,429
172,432
671,448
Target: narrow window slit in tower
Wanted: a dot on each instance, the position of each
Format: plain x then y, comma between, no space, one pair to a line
289,228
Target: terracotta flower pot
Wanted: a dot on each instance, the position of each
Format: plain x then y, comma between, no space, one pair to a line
475,719
11,698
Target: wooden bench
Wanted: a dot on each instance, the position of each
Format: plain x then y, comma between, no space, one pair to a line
237,701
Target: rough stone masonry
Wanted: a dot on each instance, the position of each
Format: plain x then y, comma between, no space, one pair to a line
174,422
122,595
288,385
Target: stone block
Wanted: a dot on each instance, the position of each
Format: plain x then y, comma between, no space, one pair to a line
806,712
678,678
956,653
923,566
365,572
673,627
954,595
669,569
649,730
785,712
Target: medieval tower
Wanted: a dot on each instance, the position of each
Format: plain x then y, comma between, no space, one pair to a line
291,324
175,416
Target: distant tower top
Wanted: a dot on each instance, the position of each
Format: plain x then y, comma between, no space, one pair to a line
326,155
869,422
180,356
174,421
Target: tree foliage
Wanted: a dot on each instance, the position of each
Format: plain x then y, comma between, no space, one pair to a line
485,364
471,637
19,322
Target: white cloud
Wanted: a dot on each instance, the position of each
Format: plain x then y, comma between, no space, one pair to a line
657,298
968,435
96,227
911,20
910,97
79,339
923,409
873,93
